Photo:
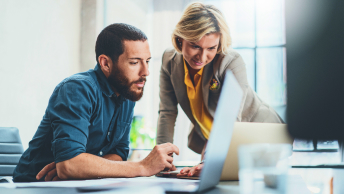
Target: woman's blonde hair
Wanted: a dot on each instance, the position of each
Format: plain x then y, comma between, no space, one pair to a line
199,20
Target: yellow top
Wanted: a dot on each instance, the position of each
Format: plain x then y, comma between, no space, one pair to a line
200,113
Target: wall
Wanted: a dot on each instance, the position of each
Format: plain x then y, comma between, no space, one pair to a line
39,47
43,42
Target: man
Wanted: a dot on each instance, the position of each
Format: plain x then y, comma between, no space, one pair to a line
84,133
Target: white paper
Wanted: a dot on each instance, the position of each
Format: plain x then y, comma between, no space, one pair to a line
79,183
95,182
141,190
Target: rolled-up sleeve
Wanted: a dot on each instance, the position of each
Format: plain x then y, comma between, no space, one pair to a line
70,109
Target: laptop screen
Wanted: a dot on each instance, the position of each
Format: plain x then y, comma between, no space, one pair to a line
221,133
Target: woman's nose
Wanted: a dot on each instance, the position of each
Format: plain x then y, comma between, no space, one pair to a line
203,56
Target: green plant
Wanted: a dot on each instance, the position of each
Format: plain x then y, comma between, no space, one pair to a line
141,137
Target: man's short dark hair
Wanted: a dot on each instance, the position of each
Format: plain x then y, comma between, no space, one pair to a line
110,40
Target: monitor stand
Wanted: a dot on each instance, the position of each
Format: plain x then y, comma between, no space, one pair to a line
339,165
341,151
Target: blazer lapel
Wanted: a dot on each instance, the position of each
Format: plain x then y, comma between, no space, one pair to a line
206,78
178,75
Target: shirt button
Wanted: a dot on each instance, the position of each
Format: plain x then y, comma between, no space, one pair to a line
100,153
108,133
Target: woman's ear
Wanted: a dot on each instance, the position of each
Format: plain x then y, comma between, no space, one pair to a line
179,41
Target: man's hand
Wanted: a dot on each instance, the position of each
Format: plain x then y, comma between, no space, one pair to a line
50,171
170,169
159,159
193,171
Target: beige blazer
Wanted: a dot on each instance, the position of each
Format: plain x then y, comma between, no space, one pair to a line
173,92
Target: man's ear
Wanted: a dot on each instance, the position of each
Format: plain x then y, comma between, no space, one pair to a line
106,64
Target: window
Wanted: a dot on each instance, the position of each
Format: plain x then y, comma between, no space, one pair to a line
257,29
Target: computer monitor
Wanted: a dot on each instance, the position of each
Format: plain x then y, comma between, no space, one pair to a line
315,68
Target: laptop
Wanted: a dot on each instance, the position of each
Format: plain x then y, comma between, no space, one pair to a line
217,147
220,137
249,133
246,133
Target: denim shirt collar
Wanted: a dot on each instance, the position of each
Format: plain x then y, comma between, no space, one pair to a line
105,85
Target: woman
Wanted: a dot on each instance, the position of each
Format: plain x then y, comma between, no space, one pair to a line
192,75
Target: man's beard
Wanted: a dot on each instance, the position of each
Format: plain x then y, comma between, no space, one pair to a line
122,85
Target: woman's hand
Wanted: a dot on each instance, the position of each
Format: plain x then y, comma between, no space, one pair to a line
196,170
193,171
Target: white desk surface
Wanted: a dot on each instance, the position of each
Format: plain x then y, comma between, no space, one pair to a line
296,185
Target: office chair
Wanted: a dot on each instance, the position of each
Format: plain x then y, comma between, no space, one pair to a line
11,149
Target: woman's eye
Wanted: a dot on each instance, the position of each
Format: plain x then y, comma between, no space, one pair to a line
212,48
133,63
196,47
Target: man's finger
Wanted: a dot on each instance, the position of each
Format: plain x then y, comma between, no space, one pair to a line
45,170
168,165
173,168
56,178
51,175
169,159
172,149
170,169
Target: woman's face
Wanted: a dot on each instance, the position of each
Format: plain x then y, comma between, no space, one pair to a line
198,54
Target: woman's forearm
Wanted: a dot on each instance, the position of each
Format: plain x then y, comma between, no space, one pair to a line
203,151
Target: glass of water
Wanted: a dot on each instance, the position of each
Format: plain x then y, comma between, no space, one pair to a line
263,168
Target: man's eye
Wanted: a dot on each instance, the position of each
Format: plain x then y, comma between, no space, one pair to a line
147,61
133,63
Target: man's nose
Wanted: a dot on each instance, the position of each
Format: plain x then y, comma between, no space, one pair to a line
145,69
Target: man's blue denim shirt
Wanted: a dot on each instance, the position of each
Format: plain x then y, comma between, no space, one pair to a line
84,115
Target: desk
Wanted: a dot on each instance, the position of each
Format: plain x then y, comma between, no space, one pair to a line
231,187
224,187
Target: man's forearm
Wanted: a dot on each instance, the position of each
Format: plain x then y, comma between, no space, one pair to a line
113,157
88,166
